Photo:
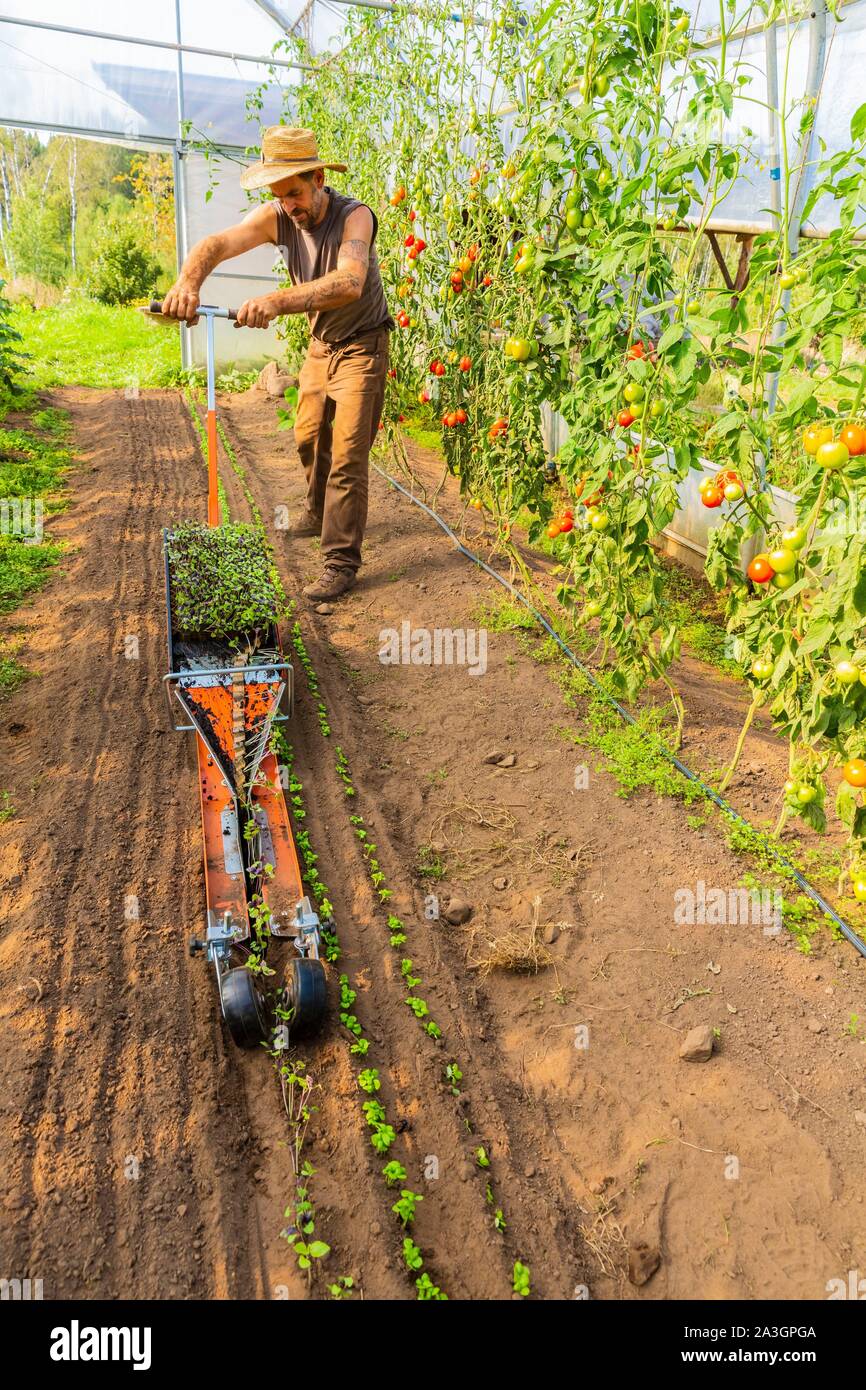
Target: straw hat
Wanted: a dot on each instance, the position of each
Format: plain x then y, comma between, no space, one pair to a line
286,150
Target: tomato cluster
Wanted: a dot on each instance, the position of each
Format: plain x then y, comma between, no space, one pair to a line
831,453
779,566
562,525
726,486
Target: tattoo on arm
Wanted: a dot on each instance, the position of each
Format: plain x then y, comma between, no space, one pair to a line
338,287
354,251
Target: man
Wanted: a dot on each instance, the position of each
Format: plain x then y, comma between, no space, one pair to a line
327,243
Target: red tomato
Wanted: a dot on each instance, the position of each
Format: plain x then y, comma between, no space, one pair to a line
420,244
440,368
460,416
392,371
465,364
488,280
553,529
409,240
712,497
412,215
566,524
760,571
854,439
625,418
473,251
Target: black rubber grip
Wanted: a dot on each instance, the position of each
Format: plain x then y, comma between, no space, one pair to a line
156,308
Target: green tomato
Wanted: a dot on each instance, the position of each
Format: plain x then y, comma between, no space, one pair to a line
859,889
806,794
847,673
521,349
791,788
602,85
669,224
833,455
539,70
600,521
682,24
762,669
783,561
524,264
637,408
656,409
733,492
604,177
572,198
633,392
588,219
694,306
795,538
787,281
572,219
594,608
783,581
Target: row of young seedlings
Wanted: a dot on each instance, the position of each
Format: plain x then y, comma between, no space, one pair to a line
453,1074
382,1133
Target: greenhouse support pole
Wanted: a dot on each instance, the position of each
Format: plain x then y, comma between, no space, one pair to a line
814,77
772,61
180,222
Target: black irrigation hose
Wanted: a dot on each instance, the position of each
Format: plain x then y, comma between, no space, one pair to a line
724,806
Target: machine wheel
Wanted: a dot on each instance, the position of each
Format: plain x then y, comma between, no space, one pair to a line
244,1008
306,996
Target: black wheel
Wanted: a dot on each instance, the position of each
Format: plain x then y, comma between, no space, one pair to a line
244,1008
306,996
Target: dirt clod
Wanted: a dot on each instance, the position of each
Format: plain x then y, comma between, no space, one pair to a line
643,1261
458,911
698,1044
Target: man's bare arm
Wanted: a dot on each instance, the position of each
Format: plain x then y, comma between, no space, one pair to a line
257,228
332,291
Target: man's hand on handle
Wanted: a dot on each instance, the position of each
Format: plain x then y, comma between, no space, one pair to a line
257,313
181,302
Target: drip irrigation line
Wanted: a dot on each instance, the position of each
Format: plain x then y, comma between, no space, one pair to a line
725,806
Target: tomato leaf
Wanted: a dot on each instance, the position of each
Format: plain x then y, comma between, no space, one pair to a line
858,123
671,335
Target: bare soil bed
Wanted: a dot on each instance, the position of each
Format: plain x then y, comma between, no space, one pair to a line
144,1156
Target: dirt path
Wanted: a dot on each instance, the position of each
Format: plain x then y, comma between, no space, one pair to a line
114,1061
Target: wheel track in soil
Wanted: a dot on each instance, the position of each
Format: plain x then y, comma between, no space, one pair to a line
539,1231
124,1051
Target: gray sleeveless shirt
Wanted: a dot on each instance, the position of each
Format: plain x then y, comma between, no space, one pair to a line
308,255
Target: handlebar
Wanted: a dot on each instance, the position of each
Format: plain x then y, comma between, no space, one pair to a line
155,307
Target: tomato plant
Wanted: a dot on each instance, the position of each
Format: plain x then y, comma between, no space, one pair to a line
542,234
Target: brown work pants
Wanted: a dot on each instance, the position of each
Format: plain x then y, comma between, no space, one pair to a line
340,397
